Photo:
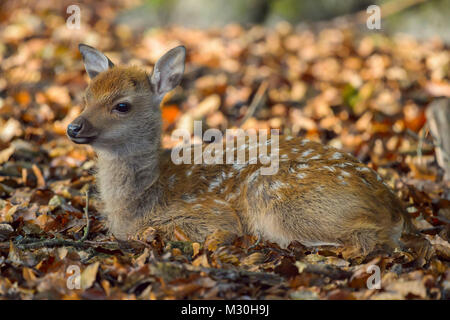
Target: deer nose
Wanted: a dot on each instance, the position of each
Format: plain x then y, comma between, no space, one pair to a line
73,129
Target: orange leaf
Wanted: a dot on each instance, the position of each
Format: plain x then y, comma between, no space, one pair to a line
170,113
23,98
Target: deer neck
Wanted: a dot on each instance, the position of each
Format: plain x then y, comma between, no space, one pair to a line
127,181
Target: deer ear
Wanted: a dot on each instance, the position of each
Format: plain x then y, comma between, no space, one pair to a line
168,70
94,61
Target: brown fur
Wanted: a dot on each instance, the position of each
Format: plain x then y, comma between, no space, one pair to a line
314,201
330,199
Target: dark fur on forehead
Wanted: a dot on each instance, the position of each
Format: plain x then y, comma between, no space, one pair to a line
117,80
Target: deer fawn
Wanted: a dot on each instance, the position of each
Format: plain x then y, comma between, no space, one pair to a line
319,195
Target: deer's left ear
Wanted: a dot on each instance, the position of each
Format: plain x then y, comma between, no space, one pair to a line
94,61
168,70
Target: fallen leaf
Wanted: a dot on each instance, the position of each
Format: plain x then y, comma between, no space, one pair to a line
89,275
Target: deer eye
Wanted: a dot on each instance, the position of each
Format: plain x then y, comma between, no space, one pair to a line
122,107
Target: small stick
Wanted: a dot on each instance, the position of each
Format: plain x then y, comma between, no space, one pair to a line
88,223
52,243
388,8
255,102
256,243
36,244
413,152
24,176
420,143
420,149
39,177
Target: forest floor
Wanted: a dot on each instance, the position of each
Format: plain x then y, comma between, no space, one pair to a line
364,94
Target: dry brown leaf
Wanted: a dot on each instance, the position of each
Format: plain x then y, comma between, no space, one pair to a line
89,275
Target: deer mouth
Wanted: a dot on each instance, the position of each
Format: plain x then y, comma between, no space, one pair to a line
82,140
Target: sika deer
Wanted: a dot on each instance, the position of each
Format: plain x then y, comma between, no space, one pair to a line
319,196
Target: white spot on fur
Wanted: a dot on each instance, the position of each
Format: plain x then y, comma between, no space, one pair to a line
342,181
220,202
307,152
344,164
301,175
305,141
345,173
288,138
302,166
365,182
316,157
214,184
275,185
336,156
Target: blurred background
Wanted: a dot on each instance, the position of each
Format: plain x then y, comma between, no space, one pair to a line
420,18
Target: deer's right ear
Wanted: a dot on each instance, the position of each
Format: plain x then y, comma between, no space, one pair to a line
94,61
168,70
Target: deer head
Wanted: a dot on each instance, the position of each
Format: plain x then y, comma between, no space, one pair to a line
121,104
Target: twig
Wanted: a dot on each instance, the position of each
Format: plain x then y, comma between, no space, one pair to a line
81,243
36,244
420,143
327,270
253,246
52,243
88,223
240,275
390,8
39,177
255,102
387,9
413,152
420,149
